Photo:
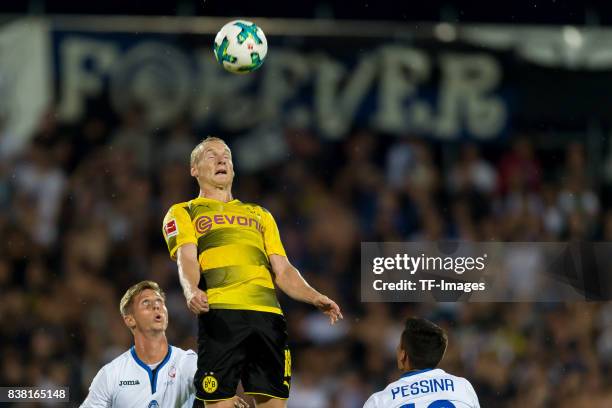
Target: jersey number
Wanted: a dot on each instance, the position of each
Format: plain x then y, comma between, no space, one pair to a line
435,404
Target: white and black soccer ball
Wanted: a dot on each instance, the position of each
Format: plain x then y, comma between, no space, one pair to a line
240,46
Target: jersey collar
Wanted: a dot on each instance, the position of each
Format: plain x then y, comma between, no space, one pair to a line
234,201
152,373
415,372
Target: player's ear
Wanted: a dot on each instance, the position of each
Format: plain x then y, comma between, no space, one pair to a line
402,359
129,321
405,360
194,171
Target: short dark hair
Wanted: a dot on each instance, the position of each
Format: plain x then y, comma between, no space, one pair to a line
424,342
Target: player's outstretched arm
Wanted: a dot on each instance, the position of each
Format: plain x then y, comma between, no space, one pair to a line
189,276
290,281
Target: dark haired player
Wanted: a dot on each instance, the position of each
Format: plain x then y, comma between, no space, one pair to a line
423,385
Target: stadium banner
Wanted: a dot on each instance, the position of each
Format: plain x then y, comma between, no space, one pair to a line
486,271
474,83
392,87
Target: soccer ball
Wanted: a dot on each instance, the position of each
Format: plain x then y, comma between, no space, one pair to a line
240,46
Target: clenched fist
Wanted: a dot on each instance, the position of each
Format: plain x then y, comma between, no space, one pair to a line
197,301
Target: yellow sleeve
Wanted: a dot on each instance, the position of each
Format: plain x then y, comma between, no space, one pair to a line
178,229
272,240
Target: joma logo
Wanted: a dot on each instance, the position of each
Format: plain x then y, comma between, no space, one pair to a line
129,382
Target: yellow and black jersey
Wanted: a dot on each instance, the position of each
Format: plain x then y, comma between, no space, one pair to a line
234,242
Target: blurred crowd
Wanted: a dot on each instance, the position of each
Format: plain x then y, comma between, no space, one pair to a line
81,214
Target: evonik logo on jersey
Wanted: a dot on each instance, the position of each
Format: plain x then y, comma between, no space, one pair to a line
205,222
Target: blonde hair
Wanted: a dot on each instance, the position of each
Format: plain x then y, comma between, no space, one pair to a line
195,153
137,289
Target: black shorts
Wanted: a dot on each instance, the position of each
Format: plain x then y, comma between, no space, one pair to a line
242,345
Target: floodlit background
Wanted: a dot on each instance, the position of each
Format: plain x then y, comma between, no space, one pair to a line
368,122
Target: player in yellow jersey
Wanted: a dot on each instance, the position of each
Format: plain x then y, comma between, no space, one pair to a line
237,248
